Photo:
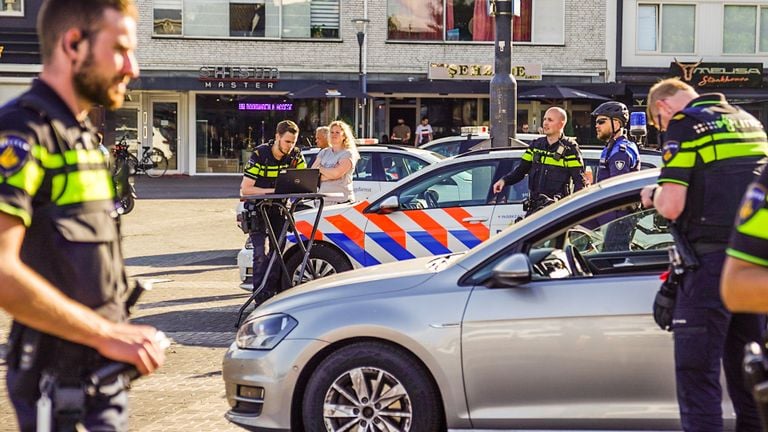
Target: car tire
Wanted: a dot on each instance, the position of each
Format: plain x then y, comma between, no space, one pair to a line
388,375
325,260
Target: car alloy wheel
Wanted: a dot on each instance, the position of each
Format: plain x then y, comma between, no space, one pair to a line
322,269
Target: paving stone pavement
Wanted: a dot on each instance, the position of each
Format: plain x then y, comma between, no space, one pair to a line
189,248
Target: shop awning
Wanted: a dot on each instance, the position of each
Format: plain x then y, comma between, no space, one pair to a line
327,89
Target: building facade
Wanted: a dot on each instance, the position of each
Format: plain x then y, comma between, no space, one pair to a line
216,76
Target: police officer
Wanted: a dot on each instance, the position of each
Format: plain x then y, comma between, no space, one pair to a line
711,151
620,155
744,283
259,178
551,162
62,276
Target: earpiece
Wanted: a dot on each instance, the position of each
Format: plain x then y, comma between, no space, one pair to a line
74,45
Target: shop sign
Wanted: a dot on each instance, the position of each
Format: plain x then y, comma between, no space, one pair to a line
238,77
259,106
719,75
482,72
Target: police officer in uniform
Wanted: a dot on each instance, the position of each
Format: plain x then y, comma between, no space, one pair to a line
620,155
61,269
711,151
259,177
551,162
744,283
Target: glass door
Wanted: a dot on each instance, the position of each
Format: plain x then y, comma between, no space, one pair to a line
164,134
122,127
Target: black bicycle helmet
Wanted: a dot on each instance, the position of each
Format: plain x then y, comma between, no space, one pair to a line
613,109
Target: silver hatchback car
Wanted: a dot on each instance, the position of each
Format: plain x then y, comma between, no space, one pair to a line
545,326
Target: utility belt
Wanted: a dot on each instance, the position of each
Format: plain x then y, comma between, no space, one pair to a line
536,202
251,219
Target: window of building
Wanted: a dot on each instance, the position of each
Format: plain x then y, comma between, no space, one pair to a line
669,28
12,7
247,18
745,29
453,20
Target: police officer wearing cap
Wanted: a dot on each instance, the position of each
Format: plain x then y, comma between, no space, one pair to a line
259,177
62,276
551,162
711,152
620,155
744,284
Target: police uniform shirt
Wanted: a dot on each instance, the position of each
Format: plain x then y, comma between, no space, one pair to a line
712,148
749,241
55,180
621,157
264,168
550,167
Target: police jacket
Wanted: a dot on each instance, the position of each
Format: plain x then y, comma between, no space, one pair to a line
263,168
749,242
54,179
550,167
620,156
714,149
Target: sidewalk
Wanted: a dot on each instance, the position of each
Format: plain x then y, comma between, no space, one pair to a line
188,187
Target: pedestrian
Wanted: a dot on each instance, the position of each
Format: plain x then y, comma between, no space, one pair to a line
524,128
322,135
401,134
711,150
62,276
619,156
423,132
259,177
744,283
551,162
337,164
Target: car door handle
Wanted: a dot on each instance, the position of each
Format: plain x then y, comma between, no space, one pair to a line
474,219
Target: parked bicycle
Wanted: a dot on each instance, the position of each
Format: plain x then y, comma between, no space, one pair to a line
153,162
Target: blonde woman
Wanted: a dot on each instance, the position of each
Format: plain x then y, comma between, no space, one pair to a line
337,163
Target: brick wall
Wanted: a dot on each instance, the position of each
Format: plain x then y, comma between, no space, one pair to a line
583,52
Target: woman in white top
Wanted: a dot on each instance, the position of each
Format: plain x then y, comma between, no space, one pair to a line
337,163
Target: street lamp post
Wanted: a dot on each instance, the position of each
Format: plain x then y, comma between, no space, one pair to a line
503,85
360,26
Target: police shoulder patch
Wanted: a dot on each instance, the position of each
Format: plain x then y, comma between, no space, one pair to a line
754,200
14,151
670,150
620,164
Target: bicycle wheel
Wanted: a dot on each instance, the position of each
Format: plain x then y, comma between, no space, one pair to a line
155,163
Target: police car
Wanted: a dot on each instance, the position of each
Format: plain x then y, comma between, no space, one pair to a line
472,138
446,207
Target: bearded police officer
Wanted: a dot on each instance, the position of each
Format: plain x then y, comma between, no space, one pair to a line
259,177
551,162
711,151
620,155
61,269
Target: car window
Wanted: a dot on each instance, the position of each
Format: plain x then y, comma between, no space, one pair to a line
459,186
364,168
516,193
310,158
397,167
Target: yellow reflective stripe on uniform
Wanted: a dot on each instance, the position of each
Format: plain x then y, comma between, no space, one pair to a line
528,155
25,217
756,225
82,186
302,164
747,257
74,157
722,136
683,159
733,150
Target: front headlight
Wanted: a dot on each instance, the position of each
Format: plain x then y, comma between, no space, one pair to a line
264,332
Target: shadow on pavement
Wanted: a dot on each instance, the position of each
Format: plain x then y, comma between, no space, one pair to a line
226,257
200,327
174,302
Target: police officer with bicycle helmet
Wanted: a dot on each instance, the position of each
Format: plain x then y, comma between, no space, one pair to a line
620,155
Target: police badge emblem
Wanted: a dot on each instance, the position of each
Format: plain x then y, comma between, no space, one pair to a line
14,151
619,165
670,150
753,201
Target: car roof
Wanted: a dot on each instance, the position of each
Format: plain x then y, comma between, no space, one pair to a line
387,148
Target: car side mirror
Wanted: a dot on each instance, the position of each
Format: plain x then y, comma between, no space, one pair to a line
512,271
389,205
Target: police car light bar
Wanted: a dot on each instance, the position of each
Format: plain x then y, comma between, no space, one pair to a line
366,141
474,130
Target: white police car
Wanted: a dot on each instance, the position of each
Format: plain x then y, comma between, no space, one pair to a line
472,138
446,207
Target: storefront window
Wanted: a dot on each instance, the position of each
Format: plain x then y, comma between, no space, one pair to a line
465,20
447,116
228,127
247,18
